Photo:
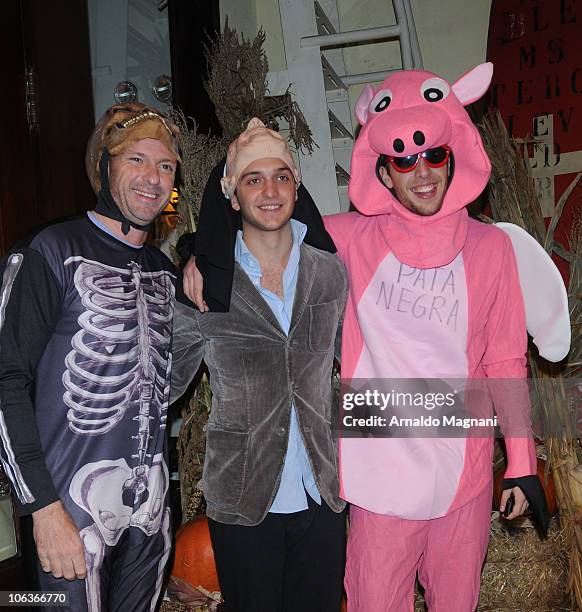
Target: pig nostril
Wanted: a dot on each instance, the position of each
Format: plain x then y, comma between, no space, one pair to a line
418,138
398,145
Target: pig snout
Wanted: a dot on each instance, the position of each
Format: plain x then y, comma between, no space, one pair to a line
402,133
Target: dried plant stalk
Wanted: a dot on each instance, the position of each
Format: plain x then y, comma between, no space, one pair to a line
200,153
237,86
237,83
512,198
575,295
512,195
549,241
191,449
522,573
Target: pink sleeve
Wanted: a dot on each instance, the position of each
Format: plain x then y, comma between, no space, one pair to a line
340,228
505,328
504,363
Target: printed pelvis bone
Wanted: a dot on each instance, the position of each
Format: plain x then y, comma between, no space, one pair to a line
121,354
98,489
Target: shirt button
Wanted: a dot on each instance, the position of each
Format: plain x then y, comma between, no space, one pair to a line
282,431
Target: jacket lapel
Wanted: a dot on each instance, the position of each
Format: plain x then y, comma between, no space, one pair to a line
305,278
244,288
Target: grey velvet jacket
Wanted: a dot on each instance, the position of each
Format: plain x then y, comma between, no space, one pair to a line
256,372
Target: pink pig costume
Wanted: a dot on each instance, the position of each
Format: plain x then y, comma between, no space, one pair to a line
430,297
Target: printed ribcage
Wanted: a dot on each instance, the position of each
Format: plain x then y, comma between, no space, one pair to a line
120,357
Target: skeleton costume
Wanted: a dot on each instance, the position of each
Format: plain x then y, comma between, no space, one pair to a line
85,358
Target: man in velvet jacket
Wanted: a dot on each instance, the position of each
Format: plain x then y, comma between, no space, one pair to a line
270,475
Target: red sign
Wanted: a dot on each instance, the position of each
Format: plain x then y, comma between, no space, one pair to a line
536,48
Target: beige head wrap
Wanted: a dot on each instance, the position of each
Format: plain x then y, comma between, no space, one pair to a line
256,142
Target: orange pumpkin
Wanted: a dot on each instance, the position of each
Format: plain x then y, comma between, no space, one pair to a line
194,557
548,486
344,604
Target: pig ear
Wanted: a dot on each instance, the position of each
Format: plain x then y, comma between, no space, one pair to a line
363,102
473,84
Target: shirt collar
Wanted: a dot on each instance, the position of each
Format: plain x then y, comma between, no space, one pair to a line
250,263
96,221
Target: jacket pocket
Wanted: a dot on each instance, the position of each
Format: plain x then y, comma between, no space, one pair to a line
225,466
323,322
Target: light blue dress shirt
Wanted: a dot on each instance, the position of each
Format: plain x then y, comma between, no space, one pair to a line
297,474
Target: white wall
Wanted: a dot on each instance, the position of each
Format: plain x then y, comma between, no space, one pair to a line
247,16
242,15
452,33
148,47
129,41
108,34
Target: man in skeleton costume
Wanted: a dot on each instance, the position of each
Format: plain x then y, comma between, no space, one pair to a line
433,295
85,332
270,473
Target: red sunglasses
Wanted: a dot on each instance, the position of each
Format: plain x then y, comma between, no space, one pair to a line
435,158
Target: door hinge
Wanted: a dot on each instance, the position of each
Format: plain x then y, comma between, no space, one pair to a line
31,90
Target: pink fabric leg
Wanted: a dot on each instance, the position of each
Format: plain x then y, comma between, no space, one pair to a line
382,559
450,569
385,552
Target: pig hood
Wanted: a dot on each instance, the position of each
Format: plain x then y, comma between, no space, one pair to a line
410,112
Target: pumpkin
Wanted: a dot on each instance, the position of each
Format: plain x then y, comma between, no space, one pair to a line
548,486
194,557
344,604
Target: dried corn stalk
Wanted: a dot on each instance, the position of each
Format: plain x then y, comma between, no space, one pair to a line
191,448
237,86
512,198
200,153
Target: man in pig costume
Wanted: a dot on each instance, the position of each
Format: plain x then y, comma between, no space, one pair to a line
433,295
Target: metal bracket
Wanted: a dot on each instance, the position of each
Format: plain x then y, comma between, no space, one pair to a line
31,93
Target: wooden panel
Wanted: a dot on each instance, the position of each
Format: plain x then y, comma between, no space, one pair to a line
17,201
57,45
43,174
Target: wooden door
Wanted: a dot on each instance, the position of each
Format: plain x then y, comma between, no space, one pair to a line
47,114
